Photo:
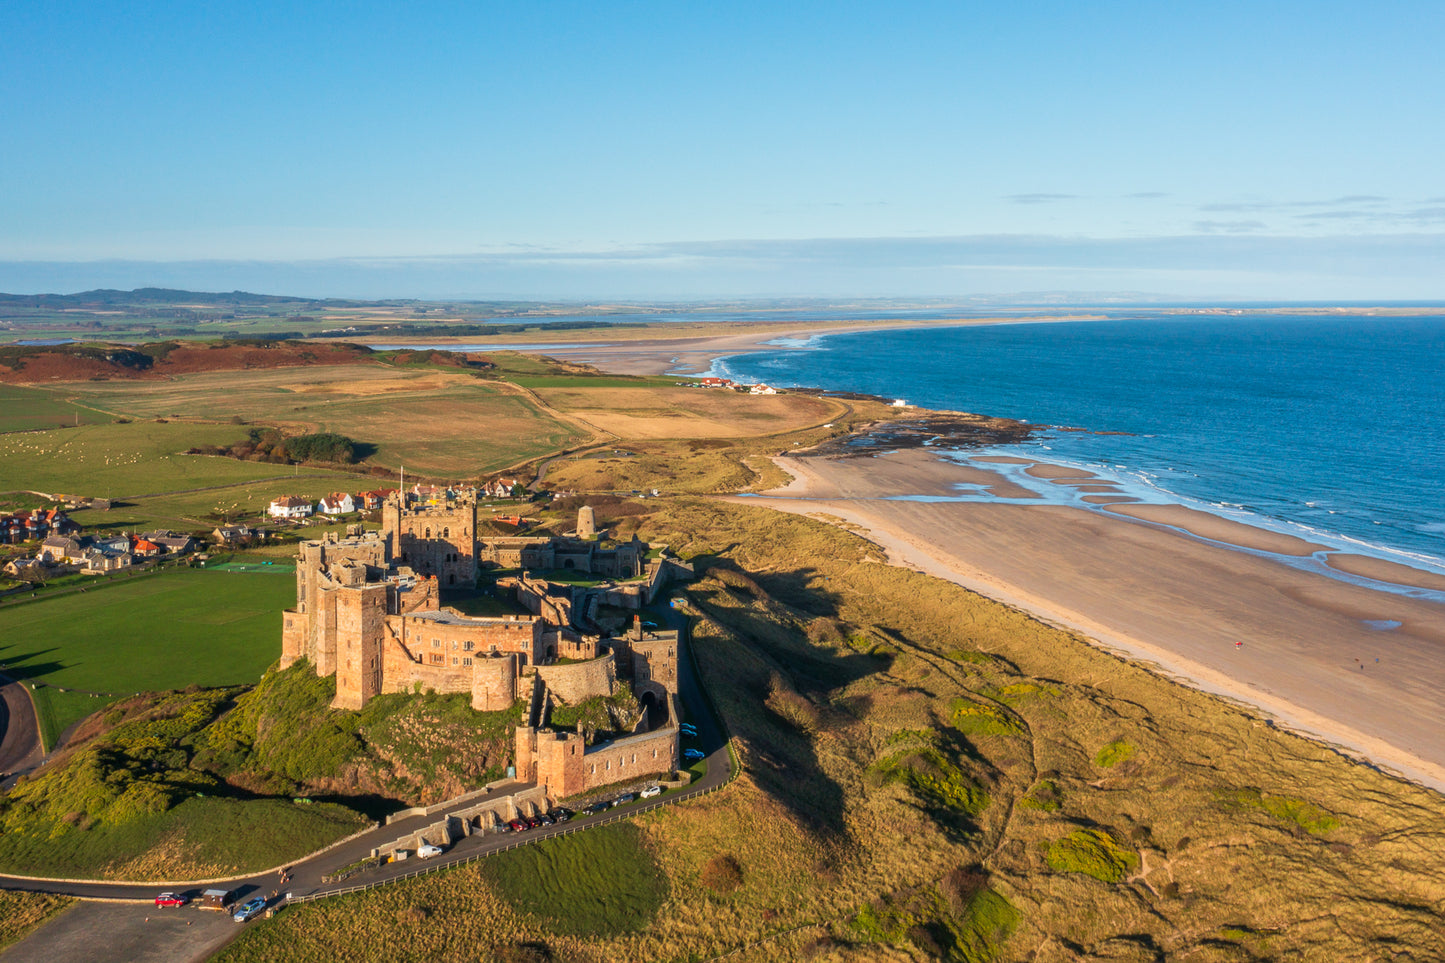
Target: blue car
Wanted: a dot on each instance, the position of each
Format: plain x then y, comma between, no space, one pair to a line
693,755
250,909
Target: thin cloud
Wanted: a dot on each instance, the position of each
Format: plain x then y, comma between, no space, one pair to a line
1228,227
1241,207
1041,198
1147,195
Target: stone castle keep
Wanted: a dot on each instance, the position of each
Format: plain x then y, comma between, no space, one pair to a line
368,611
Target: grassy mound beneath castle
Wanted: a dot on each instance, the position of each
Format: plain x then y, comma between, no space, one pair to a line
928,774
409,748
210,782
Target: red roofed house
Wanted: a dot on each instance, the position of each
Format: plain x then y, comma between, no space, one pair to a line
338,503
716,383
144,548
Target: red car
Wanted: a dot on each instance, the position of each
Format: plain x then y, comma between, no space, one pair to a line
518,825
171,900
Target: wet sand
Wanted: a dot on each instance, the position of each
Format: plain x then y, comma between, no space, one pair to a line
1307,656
1219,529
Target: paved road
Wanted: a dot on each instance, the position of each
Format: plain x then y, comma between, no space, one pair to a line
20,749
71,936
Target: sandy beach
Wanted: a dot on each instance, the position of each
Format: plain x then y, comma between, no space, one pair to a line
1302,647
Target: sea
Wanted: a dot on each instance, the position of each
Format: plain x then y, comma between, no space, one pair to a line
1331,428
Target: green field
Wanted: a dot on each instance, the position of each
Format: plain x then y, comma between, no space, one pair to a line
29,409
147,634
434,420
121,460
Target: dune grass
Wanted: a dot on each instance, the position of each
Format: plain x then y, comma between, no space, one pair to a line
20,913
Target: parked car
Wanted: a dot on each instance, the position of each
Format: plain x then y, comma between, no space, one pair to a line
693,755
533,822
622,800
170,900
428,851
250,909
597,807
651,791
546,819
688,730
518,825
649,626
562,814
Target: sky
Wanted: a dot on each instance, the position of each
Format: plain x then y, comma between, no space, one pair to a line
1289,150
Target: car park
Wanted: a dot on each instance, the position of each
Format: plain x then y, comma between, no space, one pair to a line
693,755
250,909
172,900
623,800
427,852
651,791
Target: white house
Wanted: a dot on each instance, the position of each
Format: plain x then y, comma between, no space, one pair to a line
762,389
290,506
338,503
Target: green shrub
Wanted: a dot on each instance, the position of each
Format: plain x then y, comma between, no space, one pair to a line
1092,852
1113,754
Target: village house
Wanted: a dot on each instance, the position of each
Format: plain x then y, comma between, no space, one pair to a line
101,560
145,548
234,534
371,501
63,550
499,488
171,542
716,383
338,503
290,506
762,389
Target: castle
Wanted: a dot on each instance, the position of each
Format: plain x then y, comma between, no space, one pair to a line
368,611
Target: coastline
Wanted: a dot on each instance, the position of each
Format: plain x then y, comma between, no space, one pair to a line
694,349
1295,644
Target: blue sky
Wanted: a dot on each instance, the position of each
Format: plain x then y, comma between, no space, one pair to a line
1221,149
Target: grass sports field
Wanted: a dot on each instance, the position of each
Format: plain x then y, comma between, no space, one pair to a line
145,634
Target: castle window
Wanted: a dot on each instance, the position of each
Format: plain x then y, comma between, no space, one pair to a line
654,753
454,660
466,660
594,769
436,643
428,531
454,645
634,758
446,533
436,658
467,646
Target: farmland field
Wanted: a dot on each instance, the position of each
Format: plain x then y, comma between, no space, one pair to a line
436,422
664,411
120,460
28,409
151,633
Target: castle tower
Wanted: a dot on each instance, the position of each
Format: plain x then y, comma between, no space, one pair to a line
586,522
438,540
